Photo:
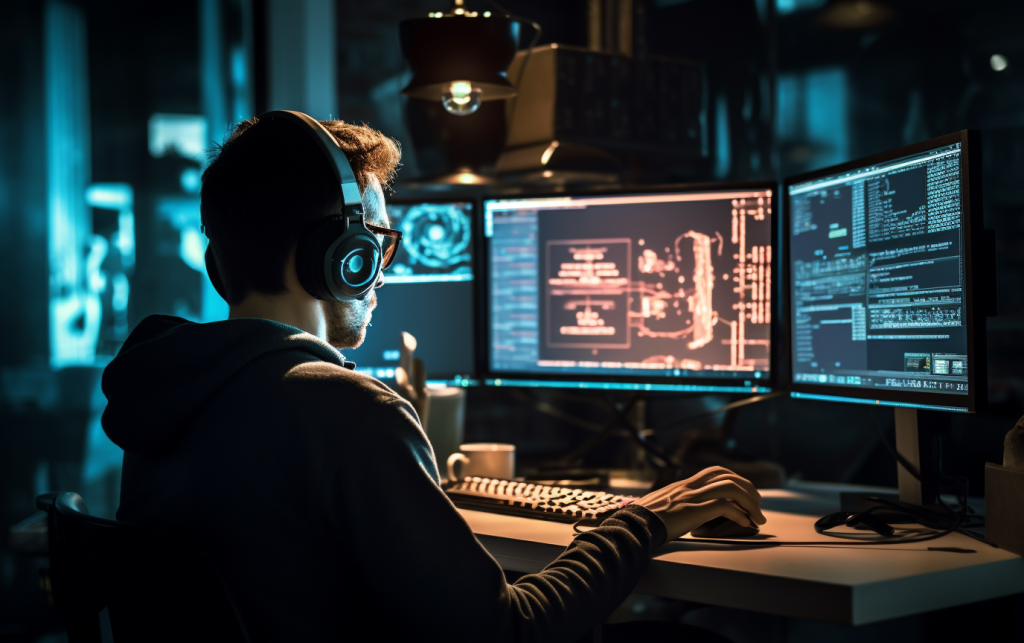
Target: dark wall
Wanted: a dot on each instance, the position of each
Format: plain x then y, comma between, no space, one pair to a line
789,88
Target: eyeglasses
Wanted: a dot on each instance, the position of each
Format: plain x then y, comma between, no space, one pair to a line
389,241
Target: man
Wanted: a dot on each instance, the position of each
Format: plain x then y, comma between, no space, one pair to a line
314,487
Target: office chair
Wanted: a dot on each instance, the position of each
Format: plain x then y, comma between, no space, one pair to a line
156,587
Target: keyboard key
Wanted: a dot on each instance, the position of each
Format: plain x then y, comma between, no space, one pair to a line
563,504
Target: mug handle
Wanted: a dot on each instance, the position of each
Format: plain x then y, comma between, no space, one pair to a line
452,459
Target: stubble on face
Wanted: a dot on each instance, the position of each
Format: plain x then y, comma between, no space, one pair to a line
347,321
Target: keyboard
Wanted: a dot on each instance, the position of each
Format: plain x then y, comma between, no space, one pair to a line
544,502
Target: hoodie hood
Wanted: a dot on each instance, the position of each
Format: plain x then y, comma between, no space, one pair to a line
169,367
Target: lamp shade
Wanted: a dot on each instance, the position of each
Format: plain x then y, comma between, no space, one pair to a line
443,50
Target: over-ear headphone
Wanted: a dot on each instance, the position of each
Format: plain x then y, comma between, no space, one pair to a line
338,258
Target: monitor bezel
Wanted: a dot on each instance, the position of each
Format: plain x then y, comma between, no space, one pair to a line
630,382
466,379
972,225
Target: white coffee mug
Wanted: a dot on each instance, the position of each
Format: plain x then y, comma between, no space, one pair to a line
484,460
446,420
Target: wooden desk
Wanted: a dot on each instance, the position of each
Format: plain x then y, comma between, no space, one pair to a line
850,585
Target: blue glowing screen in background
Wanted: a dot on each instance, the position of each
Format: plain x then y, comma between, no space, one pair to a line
436,242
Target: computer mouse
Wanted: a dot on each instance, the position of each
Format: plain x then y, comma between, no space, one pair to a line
722,527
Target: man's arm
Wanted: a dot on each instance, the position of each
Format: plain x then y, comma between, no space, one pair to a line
411,543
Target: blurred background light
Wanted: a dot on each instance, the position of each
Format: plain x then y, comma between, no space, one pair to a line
113,196
191,180
181,134
785,7
855,14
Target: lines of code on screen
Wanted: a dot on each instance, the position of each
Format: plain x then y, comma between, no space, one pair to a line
675,285
877,288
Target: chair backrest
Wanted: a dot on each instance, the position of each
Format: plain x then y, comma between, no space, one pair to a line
156,586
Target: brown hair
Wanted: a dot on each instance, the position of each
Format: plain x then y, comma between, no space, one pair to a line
266,183
368,151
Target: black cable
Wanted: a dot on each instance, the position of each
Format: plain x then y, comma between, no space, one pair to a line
959,527
537,31
920,513
907,464
846,540
579,399
722,409
553,411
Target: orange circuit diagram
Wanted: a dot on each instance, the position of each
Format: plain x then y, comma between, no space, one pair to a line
697,287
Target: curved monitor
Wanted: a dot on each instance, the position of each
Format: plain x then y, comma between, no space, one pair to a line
668,290
883,291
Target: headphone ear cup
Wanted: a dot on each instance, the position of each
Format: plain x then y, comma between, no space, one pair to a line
309,256
213,273
336,261
358,267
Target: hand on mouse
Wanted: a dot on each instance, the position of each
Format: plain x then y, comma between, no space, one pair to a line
714,492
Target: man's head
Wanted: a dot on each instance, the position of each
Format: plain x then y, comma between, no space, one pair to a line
265,185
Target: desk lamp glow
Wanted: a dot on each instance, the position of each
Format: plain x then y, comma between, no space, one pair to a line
459,58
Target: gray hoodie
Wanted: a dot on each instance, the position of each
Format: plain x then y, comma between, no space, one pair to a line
316,491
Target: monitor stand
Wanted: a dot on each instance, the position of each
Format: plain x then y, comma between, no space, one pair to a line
629,422
917,435
917,441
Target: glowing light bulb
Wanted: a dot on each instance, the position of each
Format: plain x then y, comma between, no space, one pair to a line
998,62
462,99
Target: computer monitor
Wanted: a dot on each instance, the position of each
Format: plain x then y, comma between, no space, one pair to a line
660,290
883,282
428,292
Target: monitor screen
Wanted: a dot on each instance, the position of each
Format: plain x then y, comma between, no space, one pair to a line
428,292
661,291
877,284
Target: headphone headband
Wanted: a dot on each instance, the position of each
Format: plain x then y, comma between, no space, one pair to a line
329,145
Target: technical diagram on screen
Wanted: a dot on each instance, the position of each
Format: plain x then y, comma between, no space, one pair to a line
673,285
428,292
878,276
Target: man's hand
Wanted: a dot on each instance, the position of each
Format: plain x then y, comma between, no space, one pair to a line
411,379
685,505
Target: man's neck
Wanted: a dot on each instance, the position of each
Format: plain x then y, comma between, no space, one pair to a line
303,313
